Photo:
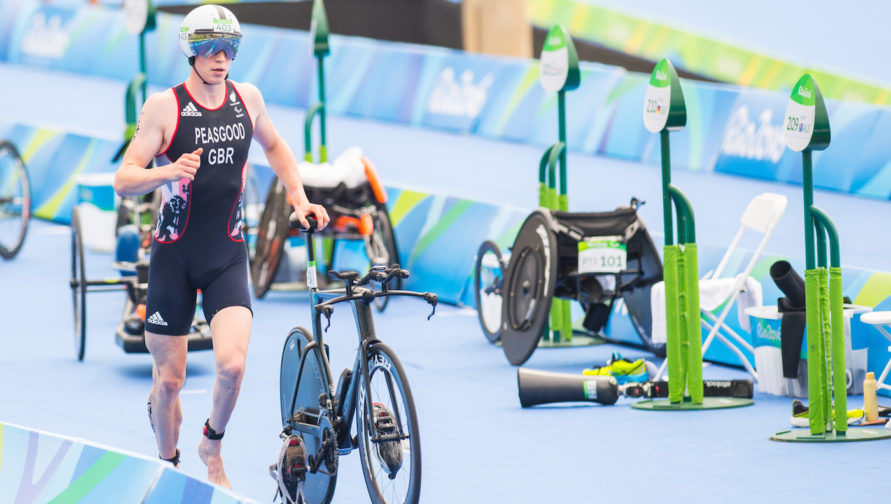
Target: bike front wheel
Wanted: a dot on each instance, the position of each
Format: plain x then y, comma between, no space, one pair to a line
389,441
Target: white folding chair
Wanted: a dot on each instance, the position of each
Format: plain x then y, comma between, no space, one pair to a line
761,216
881,320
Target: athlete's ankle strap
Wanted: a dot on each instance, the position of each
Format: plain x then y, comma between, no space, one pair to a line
211,434
173,460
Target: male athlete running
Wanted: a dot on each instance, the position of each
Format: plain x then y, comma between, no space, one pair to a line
199,132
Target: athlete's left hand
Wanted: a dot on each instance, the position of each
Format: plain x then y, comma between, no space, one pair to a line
311,208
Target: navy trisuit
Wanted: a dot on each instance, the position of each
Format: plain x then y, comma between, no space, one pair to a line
198,242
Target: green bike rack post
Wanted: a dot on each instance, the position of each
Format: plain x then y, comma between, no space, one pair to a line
140,16
665,111
558,73
318,32
806,129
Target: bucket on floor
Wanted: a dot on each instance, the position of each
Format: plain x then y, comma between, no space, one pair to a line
97,201
766,322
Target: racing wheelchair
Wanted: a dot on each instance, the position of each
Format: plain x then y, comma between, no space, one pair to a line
594,258
355,199
15,200
136,218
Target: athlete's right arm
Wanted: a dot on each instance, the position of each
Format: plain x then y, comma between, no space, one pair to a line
157,123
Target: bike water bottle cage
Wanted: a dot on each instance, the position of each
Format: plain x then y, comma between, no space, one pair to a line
211,434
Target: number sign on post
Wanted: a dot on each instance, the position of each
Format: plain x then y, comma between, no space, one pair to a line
664,107
806,123
559,63
139,16
318,29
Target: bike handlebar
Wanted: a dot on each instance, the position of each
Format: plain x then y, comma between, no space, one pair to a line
327,308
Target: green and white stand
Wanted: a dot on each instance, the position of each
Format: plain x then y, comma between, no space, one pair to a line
665,111
140,16
806,129
318,32
558,73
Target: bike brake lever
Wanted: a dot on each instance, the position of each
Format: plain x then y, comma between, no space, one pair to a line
431,299
326,311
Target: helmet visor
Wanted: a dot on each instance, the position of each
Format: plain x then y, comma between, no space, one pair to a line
209,44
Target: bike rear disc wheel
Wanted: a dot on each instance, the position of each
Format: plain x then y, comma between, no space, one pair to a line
78,284
308,384
392,465
15,201
488,280
382,251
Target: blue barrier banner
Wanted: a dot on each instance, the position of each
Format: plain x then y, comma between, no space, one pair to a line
856,160
454,90
873,173
696,146
730,129
752,144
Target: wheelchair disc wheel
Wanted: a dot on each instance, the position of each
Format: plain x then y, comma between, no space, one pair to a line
529,287
272,232
488,280
15,201
307,385
381,250
78,284
389,440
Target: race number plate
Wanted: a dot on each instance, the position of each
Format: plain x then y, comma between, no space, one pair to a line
603,254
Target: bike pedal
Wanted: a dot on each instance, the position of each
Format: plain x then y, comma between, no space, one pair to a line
290,470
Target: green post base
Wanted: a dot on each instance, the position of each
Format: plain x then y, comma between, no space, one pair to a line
708,403
578,340
852,434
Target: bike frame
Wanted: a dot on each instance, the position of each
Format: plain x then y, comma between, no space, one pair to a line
343,412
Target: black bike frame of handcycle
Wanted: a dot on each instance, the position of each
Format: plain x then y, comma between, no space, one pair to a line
343,412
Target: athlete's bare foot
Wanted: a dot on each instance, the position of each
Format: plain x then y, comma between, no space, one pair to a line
209,451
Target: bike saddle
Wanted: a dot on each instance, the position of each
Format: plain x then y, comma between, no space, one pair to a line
344,275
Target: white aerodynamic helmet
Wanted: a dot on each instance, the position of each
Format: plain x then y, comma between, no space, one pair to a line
209,29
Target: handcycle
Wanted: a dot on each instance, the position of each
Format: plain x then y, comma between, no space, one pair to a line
317,417
15,200
137,217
